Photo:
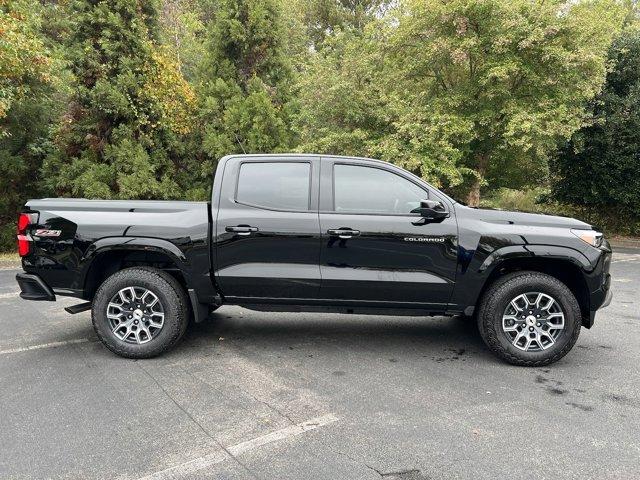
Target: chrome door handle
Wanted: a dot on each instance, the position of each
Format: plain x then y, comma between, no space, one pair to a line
343,232
241,230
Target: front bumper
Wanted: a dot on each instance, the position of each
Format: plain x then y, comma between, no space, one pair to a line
33,288
601,278
607,299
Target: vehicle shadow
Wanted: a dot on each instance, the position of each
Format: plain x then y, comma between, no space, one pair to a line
428,336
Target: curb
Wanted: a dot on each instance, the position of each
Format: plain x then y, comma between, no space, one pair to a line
627,243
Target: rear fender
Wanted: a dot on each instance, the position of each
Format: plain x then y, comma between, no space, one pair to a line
157,245
198,281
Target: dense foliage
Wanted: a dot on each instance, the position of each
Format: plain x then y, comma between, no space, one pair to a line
598,168
245,82
120,136
140,98
462,91
30,85
508,79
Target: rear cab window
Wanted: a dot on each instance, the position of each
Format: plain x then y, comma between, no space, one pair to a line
275,185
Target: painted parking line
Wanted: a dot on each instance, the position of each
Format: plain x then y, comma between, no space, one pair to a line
44,345
9,295
625,257
192,466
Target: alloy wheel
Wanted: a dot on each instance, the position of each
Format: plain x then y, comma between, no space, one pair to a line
533,321
135,315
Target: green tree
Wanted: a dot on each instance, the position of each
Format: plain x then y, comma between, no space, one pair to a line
25,61
459,92
182,30
31,95
349,107
122,135
324,18
246,81
598,168
342,98
498,82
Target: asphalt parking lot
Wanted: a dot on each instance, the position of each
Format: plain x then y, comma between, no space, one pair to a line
316,396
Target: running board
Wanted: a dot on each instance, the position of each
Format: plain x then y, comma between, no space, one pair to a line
81,307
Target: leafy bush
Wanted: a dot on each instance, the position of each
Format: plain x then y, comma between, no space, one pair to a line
518,200
539,200
8,237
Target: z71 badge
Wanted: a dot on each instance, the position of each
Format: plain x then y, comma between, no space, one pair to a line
43,232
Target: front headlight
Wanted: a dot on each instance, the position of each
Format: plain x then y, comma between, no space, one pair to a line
592,237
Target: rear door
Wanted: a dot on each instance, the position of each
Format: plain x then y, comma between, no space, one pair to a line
374,250
267,232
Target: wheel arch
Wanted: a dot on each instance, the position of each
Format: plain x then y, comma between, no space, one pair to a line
567,269
109,255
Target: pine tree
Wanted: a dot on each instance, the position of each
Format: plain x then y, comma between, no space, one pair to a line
246,81
130,108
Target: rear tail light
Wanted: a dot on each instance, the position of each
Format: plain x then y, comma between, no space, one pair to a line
24,240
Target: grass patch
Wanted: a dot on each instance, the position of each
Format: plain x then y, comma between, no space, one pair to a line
9,259
518,200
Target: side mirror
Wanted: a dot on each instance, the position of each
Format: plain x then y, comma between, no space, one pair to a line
431,210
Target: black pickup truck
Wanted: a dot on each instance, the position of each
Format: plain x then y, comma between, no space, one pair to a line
316,233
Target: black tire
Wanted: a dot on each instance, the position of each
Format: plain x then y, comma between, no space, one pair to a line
499,295
169,292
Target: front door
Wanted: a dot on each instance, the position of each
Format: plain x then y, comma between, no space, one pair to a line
267,233
375,251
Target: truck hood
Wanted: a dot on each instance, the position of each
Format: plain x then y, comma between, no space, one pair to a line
523,218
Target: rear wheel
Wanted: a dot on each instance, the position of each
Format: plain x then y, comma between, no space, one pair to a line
529,318
140,312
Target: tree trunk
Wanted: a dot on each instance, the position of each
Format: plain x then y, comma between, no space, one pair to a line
473,197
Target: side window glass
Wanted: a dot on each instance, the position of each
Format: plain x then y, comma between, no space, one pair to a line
361,189
275,185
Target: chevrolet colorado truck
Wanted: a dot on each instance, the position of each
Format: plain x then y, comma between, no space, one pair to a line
315,233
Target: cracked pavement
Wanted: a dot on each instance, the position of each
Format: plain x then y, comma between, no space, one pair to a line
415,398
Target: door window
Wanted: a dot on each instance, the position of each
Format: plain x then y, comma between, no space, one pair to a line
275,185
360,189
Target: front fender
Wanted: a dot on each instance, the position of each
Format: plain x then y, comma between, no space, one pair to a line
472,280
531,251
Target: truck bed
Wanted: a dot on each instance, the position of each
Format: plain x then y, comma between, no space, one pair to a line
75,231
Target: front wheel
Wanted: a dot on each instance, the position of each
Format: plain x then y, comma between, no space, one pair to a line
140,312
529,318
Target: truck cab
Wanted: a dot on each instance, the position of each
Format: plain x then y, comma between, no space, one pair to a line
334,232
